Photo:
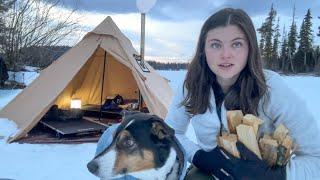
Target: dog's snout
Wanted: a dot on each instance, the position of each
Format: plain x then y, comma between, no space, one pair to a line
92,166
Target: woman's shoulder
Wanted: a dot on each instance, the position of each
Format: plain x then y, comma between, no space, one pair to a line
273,79
278,87
270,75
179,89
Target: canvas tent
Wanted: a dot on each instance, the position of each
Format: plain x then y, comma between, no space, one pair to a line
78,74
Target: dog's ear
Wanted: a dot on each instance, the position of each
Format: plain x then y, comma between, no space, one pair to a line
161,131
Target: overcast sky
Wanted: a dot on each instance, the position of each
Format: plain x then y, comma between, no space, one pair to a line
173,26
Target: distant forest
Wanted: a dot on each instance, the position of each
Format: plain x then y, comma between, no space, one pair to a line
168,66
43,56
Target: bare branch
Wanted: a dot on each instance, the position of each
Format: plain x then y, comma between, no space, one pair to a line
34,23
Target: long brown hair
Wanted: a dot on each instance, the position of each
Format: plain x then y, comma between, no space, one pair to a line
250,85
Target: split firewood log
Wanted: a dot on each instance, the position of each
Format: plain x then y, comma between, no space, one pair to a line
253,121
228,142
287,143
247,136
234,119
269,150
280,133
284,151
281,155
267,136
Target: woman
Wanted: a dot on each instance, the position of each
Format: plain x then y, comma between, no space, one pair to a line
226,74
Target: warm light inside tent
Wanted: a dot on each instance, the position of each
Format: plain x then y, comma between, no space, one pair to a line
75,104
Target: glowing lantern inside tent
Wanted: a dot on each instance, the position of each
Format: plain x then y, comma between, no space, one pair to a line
75,104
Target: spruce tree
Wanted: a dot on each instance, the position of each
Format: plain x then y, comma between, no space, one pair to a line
292,40
303,57
275,48
284,52
316,56
318,28
306,33
266,31
262,32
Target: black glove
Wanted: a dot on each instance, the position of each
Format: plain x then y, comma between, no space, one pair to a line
251,167
210,162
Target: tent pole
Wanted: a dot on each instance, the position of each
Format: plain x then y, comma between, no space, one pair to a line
142,43
140,101
142,38
102,84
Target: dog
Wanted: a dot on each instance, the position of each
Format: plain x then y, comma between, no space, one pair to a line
141,147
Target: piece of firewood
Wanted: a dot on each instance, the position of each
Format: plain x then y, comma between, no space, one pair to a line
228,143
247,136
269,150
281,155
280,133
253,121
234,119
267,136
287,143
223,133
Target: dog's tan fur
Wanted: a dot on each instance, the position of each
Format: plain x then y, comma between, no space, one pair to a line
132,162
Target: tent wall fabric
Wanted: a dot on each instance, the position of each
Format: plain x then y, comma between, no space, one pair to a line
78,74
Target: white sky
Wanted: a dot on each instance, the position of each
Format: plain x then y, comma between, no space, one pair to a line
169,39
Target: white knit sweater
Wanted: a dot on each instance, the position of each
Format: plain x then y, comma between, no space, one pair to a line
284,107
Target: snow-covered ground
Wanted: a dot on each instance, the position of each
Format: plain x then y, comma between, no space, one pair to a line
25,77
65,162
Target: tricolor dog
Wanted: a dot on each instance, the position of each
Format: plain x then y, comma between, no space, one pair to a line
141,147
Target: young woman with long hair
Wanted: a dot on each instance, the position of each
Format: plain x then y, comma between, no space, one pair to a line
226,74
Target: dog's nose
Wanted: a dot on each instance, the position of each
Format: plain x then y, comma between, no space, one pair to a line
92,167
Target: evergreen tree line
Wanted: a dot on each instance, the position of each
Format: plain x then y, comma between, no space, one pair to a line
294,52
168,66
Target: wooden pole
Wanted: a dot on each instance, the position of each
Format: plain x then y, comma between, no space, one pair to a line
142,42
143,21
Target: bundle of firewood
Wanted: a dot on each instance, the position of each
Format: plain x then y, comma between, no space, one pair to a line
275,148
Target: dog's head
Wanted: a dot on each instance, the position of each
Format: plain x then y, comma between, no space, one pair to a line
143,146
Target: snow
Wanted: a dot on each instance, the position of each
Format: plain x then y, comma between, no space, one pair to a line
64,162
25,77
308,88
7,95
30,68
39,162
7,129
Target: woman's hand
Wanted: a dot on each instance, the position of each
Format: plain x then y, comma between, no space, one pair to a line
223,165
211,162
251,167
